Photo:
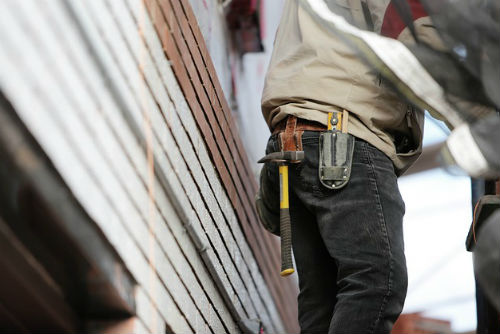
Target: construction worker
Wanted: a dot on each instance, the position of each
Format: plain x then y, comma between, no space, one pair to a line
347,232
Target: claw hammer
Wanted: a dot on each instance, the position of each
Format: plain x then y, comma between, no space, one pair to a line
283,158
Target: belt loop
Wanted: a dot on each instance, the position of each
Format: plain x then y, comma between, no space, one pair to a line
345,120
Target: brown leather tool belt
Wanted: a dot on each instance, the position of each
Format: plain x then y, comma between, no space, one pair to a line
300,125
290,132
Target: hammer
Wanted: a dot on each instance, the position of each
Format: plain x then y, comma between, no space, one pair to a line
282,158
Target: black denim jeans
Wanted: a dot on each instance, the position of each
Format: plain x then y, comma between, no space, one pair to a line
347,243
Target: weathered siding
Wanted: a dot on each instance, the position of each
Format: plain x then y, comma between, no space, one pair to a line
185,48
249,82
91,81
211,20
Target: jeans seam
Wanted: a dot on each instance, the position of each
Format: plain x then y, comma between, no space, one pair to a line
380,212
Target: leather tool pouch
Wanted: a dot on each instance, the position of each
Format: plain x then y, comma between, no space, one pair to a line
335,158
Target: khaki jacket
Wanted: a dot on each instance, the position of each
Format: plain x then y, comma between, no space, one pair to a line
312,73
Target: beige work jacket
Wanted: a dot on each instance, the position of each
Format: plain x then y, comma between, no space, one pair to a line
313,72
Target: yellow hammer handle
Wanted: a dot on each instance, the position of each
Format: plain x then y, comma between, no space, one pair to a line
285,224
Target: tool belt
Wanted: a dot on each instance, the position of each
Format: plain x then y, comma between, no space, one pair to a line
290,132
336,146
299,124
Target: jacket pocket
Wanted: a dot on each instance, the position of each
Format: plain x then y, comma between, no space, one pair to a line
414,120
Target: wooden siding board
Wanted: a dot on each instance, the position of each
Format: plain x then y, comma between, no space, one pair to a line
47,78
147,312
96,163
136,203
245,204
268,246
191,157
184,114
151,106
177,95
209,130
212,204
219,125
100,132
205,84
181,169
230,187
202,301
208,66
175,126
290,284
190,96
197,265
27,98
22,90
218,190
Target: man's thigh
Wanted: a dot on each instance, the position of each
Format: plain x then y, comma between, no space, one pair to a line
316,270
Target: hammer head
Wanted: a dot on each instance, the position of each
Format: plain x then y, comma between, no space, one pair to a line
284,156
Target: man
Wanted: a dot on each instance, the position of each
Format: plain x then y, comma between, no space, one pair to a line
348,242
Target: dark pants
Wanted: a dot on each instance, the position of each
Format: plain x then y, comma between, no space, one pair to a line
347,243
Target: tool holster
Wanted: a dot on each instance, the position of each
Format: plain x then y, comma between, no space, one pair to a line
336,149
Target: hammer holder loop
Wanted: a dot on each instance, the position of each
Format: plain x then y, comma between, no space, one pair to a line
288,137
291,139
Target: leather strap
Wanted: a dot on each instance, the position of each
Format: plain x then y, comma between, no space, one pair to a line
298,139
291,129
288,136
301,125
